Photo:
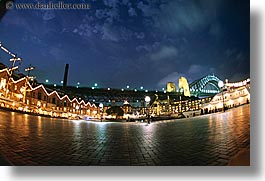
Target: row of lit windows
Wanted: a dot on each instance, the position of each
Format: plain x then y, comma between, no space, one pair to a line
54,101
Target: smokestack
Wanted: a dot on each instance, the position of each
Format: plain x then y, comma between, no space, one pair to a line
65,76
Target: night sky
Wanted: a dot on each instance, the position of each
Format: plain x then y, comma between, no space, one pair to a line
129,42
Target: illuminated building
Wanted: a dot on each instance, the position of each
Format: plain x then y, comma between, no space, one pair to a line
20,95
176,104
236,94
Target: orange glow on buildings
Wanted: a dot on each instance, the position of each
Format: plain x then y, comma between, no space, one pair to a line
20,95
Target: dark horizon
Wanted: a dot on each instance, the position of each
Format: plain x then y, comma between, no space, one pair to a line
135,43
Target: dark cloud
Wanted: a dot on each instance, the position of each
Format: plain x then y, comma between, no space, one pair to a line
166,52
140,35
132,12
48,15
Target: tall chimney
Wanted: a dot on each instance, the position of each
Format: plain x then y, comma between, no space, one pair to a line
65,76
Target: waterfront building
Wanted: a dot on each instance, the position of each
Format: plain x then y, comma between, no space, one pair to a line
20,95
231,96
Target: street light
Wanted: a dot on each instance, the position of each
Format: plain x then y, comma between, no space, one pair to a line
147,101
221,85
101,111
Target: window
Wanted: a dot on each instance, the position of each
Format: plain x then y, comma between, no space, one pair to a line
2,83
39,96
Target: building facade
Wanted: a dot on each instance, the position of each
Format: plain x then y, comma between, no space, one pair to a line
230,98
20,95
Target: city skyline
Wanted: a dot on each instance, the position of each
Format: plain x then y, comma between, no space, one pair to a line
120,43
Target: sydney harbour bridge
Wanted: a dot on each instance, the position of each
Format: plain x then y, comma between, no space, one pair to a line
205,86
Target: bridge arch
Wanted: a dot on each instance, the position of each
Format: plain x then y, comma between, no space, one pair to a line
205,86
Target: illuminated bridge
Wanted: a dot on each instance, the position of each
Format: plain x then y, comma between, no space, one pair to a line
205,86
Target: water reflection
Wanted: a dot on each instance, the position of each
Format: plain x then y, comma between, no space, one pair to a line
39,127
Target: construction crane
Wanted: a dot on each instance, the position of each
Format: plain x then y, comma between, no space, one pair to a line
29,69
13,67
14,59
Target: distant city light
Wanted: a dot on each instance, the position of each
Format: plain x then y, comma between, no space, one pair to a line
163,88
146,90
96,84
78,83
46,80
156,91
165,91
93,88
135,90
108,88
54,85
61,82
141,87
122,89
127,87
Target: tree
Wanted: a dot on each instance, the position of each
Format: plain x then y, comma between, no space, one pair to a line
115,111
